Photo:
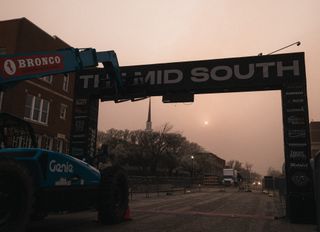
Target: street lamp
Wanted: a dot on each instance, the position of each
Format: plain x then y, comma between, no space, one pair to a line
298,43
192,158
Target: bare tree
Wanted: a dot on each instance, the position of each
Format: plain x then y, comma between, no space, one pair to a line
173,151
148,151
273,172
235,164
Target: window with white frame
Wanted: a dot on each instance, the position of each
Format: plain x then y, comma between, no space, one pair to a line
65,84
36,109
59,145
63,111
38,140
21,141
47,142
47,79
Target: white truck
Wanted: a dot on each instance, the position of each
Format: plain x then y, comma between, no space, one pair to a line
229,176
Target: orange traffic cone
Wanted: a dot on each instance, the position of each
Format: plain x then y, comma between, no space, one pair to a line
127,215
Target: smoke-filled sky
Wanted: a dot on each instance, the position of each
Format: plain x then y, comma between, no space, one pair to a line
243,126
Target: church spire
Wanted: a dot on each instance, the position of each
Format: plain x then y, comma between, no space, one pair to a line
149,123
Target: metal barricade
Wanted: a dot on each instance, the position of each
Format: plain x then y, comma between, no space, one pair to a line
315,164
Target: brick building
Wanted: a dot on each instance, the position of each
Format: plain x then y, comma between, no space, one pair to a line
46,102
211,164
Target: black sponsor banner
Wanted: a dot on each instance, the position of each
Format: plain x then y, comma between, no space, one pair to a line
206,76
297,141
299,177
84,128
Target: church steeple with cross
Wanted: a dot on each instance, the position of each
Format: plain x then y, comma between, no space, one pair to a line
149,123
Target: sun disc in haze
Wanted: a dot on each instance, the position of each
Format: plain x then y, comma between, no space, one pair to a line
206,123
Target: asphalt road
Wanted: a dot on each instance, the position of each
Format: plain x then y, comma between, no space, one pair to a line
208,210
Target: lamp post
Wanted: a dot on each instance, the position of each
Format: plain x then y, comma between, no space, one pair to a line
298,43
192,158
192,165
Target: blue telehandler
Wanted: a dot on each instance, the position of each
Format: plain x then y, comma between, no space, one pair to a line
35,181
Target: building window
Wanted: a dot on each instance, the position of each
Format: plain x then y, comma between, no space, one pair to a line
38,140
65,85
47,79
15,137
59,144
1,99
47,142
21,141
36,109
63,111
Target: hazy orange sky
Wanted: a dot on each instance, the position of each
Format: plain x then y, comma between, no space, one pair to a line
243,126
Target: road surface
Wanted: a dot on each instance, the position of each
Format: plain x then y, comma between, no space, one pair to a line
208,210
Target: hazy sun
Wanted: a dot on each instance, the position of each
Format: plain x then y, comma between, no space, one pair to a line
205,122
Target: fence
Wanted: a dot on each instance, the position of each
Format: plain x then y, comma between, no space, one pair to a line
211,180
273,184
158,185
276,186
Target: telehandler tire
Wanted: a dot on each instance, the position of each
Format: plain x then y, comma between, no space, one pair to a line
16,196
113,196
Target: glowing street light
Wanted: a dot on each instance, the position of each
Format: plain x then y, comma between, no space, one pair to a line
192,158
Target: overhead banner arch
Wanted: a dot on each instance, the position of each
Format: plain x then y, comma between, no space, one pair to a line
179,81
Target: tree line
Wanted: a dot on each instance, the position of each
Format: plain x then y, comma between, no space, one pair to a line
161,152
153,152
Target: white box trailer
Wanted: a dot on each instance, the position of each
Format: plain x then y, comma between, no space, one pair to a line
229,176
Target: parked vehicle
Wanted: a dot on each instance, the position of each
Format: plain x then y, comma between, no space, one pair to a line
229,176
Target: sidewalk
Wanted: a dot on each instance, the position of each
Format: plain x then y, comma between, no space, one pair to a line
146,195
